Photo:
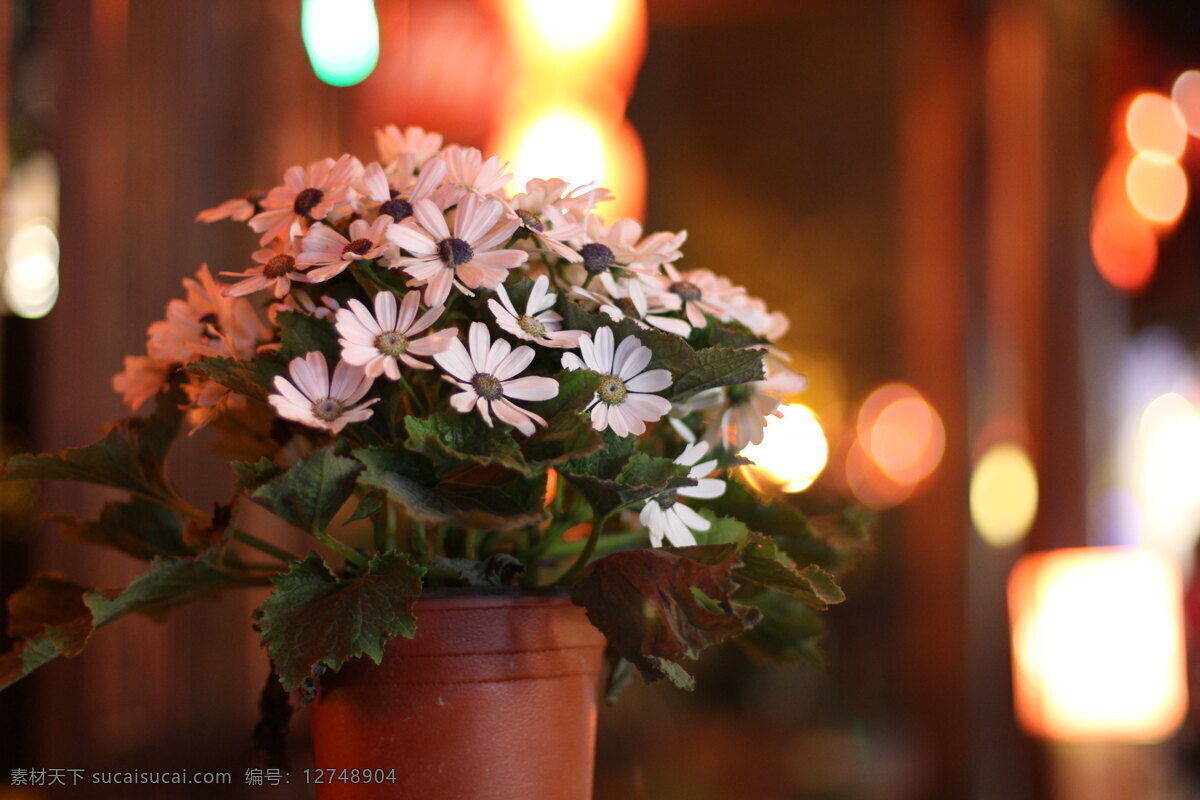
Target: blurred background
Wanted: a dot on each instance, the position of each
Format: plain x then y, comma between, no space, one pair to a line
976,215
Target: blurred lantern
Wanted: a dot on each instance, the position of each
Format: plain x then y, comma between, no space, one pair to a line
1154,124
1004,494
342,39
1157,187
1098,646
793,451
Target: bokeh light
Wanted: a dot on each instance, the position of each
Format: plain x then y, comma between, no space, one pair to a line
1157,187
794,450
1169,464
1072,680
342,39
31,272
1186,95
1004,494
869,484
571,25
1154,124
1124,247
902,433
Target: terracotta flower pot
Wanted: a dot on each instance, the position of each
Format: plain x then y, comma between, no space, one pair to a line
495,697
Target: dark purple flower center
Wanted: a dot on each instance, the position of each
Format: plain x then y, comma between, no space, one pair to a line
307,200
530,221
397,208
487,386
279,266
454,252
358,247
597,257
688,291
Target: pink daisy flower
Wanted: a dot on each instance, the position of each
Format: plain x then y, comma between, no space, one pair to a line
141,379
305,195
539,215
468,173
487,375
377,342
538,323
623,402
394,197
622,245
408,149
312,399
701,291
465,259
238,209
330,252
277,268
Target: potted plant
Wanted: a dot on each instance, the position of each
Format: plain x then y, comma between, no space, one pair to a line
510,428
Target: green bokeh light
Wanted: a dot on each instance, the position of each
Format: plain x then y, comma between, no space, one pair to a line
342,39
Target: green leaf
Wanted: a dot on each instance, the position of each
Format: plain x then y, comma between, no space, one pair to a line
783,523
254,378
645,602
790,629
716,367
642,478
301,334
450,439
724,334
47,617
312,490
131,456
368,506
484,498
313,620
576,389
763,563
253,475
373,278
567,436
137,527
724,530
608,461
168,583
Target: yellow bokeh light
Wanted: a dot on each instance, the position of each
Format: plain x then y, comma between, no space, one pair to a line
1168,463
1157,187
563,144
569,25
1154,124
1073,681
793,451
1004,494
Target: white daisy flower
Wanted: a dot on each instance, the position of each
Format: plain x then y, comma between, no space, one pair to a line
468,173
377,342
538,323
700,291
486,374
393,195
667,518
627,299
737,416
536,209
311,399
622,245
623,402
467,258
330,252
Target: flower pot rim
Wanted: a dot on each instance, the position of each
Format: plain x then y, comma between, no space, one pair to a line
492,597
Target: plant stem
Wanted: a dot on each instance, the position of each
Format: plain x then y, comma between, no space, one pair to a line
588,548
341,548
264,546
412,393
420,541
469,544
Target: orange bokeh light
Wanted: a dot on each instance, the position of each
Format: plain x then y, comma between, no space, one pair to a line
1124,247
901,433
1157,187
1071,680
1154,124
869,484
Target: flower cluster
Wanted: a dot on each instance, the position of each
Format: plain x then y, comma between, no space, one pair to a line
388,248
481,375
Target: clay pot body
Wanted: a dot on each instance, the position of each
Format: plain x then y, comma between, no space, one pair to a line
495,698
